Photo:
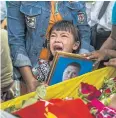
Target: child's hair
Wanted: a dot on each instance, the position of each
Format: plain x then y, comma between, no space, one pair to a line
65,25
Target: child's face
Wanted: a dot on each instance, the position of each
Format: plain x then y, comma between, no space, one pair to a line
62,41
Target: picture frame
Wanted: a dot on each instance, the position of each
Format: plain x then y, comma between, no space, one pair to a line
63,61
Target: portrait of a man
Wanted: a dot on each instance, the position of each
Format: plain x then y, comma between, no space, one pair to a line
71,71
68,66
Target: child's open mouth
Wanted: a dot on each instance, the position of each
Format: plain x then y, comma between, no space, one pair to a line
58,48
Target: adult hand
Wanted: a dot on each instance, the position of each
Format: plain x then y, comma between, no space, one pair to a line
30,82
98,55
111,62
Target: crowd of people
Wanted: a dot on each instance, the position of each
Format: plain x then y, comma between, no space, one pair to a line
83,28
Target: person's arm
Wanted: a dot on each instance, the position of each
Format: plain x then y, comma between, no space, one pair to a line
110,43
100,55
106,49
85,32
110,53
31,82
113,34
16,33
6,63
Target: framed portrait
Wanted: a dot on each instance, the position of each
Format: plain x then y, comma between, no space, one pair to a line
67,66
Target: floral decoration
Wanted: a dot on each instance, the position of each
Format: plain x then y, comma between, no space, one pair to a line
98,100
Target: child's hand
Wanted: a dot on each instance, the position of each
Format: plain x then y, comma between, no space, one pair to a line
41,91
44,83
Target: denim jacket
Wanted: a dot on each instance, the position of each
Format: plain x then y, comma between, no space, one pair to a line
27,24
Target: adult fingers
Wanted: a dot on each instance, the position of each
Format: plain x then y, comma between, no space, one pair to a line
92,55
86,54
97,62
108,63
111,62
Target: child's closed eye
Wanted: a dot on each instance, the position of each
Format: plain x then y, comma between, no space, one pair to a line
53,35
64,36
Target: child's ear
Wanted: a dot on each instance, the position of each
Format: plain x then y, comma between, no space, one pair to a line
76,45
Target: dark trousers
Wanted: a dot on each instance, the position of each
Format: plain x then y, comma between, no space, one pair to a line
101,37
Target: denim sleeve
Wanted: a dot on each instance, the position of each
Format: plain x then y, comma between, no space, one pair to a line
85,34
16,35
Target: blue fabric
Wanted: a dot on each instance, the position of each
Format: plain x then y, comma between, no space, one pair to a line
3,10
114,15
27,24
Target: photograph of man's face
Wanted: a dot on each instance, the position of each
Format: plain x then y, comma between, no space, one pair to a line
71,71
67,67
